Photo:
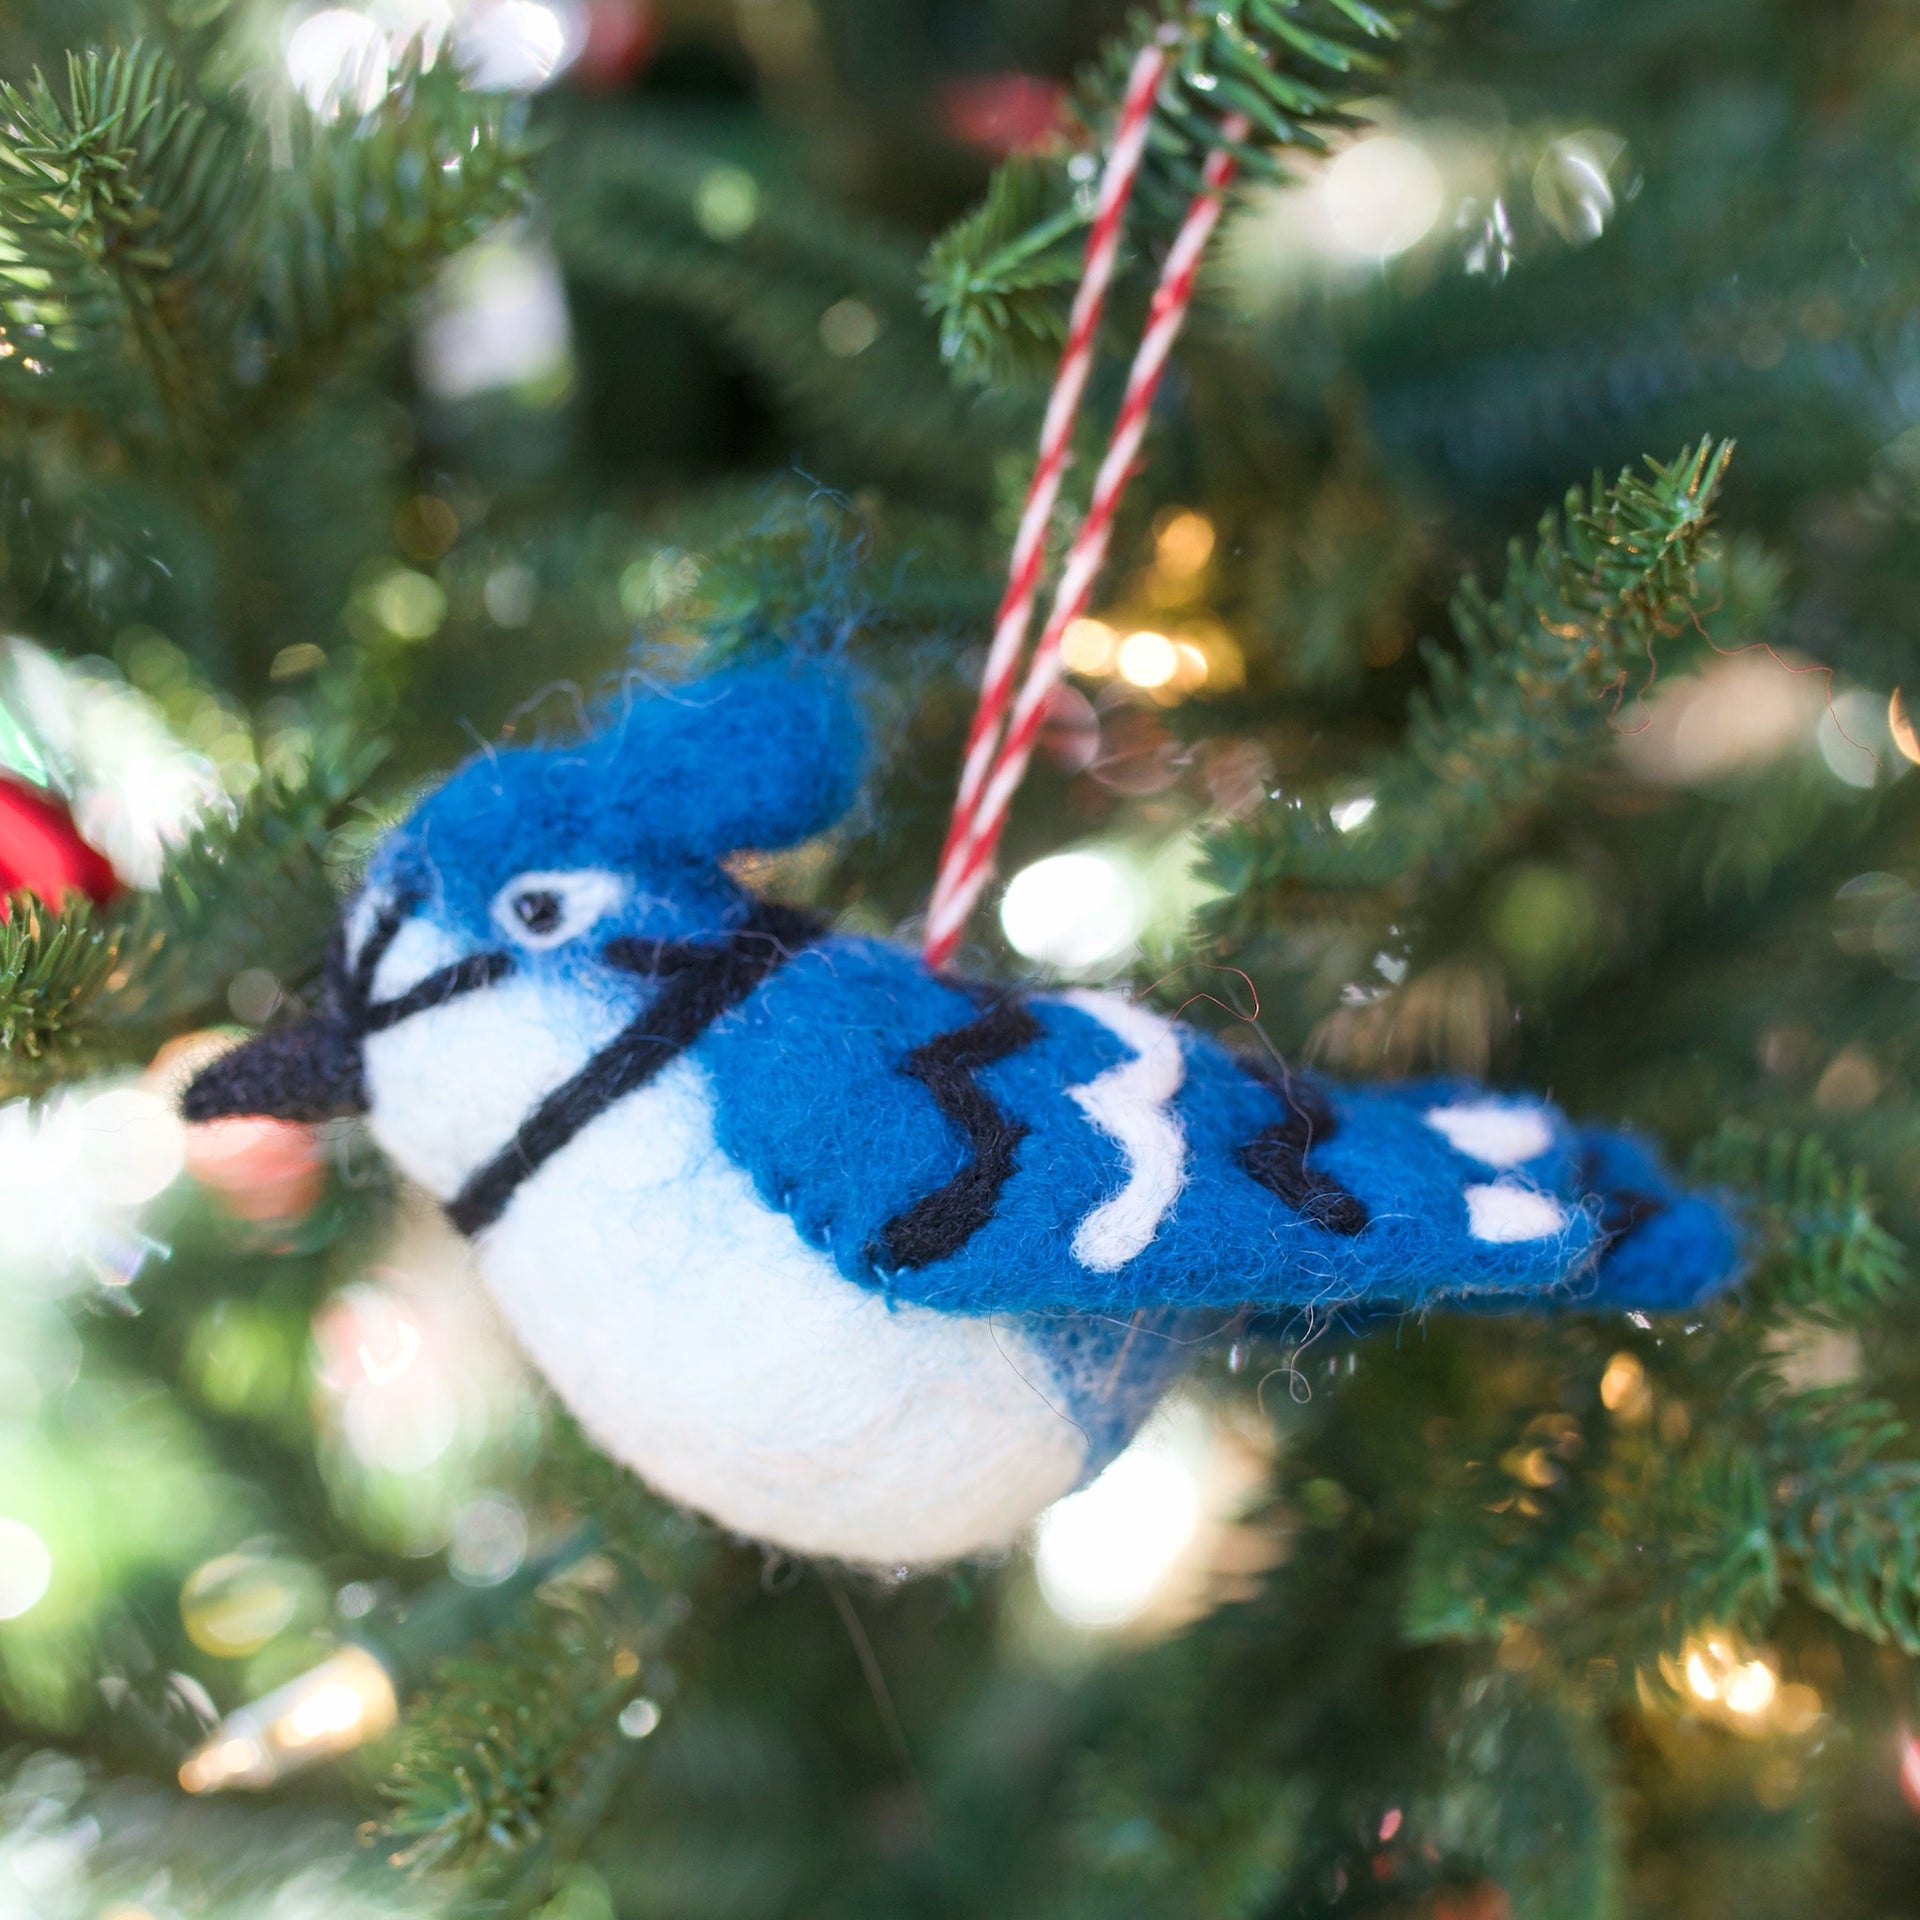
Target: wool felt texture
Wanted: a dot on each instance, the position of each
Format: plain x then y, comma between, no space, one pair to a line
861,1259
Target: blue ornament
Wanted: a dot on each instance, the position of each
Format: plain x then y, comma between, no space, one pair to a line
855,1258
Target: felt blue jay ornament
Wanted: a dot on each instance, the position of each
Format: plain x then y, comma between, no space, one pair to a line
858,1259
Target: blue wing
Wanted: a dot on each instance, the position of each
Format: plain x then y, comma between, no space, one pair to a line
946,1147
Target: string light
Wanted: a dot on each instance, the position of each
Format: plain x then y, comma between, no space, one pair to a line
1089,646
1741,1689
1624,1391
1184,543
1147,659
1378,198
328,1710
1077,912
1102,1555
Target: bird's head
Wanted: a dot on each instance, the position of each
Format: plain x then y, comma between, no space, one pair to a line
523,907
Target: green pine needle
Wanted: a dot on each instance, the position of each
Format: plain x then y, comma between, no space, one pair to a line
124,207
161,277
252,893
1848,1516
1540,671
369,209
57,969
1824,1254
85,989
632,217
1000,279
508,1734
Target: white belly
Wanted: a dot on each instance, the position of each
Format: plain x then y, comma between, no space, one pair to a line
700,1340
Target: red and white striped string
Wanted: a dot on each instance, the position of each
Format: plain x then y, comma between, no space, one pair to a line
1005,724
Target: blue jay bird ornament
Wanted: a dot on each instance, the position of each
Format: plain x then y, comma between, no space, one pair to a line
858,1259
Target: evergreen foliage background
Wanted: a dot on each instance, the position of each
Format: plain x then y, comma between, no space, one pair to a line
1632,822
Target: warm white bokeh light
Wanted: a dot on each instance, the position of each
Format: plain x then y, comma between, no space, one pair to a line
516,46
1856,742
338,59
1101,1555
1750,1688
26,1568
498,321
1379,197
409,22
329,1709
130,1146
1148,659
1075,912
1088,646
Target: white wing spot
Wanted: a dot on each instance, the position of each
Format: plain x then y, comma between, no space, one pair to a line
1505,1211
1492,1132
1128,1103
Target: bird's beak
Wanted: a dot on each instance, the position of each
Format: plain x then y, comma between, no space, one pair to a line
310,1070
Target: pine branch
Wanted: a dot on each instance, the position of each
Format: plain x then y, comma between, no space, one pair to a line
1525,1796
123,209
1000,279
158,276
1849,1517
1823,1252
1539,671
254,893
369,209
81,991
507,1735
1625,1544
628,217
56,967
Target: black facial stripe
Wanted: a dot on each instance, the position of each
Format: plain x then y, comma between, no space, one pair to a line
942,1222
655,959
380,936
1277,1157
709,982
477,970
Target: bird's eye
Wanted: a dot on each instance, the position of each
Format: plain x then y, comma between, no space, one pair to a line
541,910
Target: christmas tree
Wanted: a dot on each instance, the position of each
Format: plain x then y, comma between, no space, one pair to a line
1496,671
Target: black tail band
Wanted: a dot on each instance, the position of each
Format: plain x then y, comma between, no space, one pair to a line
942,1222
1277,1158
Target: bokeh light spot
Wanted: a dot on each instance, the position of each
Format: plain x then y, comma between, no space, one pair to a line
26,1569
1380,197
1075,912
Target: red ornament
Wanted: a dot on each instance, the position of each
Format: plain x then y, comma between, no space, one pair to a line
620,39
1910,1768
1002,113
41,852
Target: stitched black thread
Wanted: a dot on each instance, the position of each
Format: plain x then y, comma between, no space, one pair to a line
942,1222
700,983
1277,1157
477,970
